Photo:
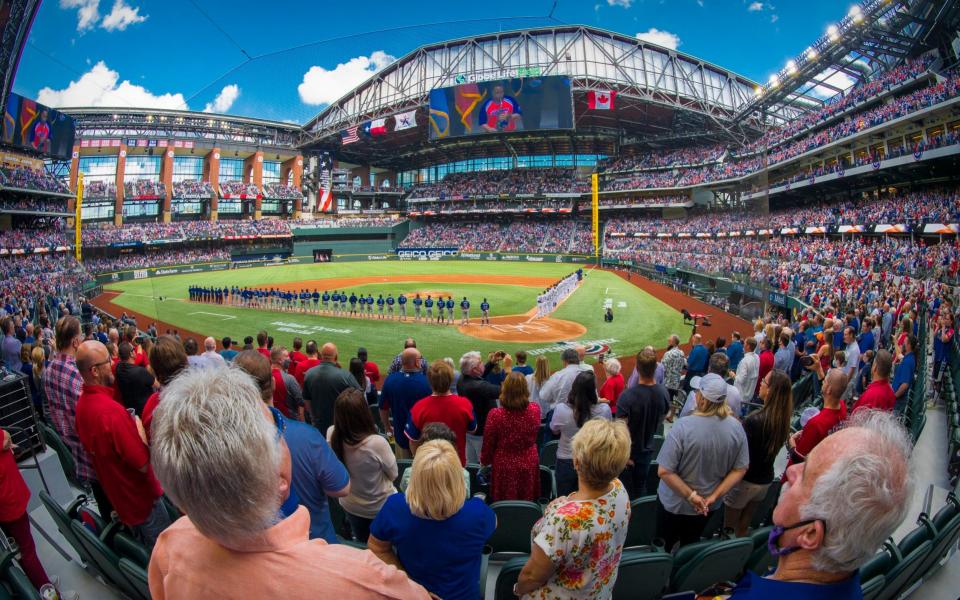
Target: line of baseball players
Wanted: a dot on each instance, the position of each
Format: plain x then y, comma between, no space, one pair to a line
550,298
339,303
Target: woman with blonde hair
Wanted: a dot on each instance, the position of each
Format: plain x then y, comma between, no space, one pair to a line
510,443
576,546
431,532
38,360
704,456
536,380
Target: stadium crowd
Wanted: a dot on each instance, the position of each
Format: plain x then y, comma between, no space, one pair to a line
508,182
237,189
144,189
347,222
191,188
34,205
522,235
31,179
698,155
281,191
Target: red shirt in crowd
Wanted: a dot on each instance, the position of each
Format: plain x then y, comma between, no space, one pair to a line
455,412
372,371
766,365
819,427
302,367
148,408
120,458
878,395
611,390
265,352
14,493
295,357
279,392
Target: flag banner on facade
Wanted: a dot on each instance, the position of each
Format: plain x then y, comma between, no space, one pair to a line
600,99
407,120
349,135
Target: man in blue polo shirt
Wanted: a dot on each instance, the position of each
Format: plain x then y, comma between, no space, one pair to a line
735,351
401,390
697,361
904,373
316,473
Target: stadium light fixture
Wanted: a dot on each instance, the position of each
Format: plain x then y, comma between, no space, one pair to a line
758,90
811,54
791,67
774,81
833,33
856,14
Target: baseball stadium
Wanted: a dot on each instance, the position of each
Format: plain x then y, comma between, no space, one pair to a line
531,309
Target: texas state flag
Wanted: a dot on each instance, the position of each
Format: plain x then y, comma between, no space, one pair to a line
600,99
377,127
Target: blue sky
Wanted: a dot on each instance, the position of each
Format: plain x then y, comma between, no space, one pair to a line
167,53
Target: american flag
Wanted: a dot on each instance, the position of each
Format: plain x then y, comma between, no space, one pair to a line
349,135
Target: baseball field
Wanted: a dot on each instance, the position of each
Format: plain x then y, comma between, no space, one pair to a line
510,288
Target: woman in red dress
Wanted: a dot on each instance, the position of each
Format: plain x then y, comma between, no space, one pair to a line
510,443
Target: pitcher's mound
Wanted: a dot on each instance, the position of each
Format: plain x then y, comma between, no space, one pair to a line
516,328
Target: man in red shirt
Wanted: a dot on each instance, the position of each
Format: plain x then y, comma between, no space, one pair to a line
296,356
372,371
879,394
310,361
833,413
455,412
766,361
262,344
115,441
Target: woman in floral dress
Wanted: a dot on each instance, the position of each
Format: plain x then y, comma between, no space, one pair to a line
510,443
576,546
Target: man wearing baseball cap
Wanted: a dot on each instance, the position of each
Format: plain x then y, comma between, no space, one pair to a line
703,457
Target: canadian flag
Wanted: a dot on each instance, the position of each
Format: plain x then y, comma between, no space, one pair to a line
600,99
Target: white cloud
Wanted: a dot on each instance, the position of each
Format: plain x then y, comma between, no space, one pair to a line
755,7
101,86
621,3
660,38
122,16
88,12
323,86
224,100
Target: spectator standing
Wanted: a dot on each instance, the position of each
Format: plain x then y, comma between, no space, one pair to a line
11,346
134,383
373,374
833,413
368,458
613,386
535,382
116,444
233,541
522,366
783,357
643,408
62,385
401,390
735,351
568,417
210,352
396,365
767,361
311,360
851,351
879,395
323,383
432,532
583,533
748,371
167,360
441,406
904,373
557,388
697,361
767,430
718,366
510,443
705,453
228,352
280,358
482,395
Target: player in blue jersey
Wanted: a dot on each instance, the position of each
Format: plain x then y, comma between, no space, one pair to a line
484,312
381,304
464,311
390,301
325,298
353,304
450,305
362,300
370,302
428,308
402,307
417,303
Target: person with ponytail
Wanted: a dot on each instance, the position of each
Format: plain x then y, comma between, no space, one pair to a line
568,417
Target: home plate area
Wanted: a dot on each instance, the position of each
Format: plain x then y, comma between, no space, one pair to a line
519,328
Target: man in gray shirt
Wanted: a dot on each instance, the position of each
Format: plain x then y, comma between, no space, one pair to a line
783,358
557,388
703,457
322,384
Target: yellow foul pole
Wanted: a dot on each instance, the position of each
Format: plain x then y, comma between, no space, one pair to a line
595,214
77,220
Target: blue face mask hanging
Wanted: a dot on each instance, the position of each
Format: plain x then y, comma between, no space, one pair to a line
778,531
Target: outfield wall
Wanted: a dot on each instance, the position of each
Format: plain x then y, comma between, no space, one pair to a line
401,255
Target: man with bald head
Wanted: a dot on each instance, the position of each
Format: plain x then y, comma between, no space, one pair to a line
401,390
322,384
833,413
582,355
210,353
824,531
115,441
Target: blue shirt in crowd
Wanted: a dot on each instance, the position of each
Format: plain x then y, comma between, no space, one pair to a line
400,392
316,470
735,354
754,586
697,361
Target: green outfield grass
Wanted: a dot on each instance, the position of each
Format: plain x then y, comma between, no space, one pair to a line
640,319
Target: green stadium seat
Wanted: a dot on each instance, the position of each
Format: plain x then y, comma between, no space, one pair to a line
107,561
643,522
548,485
714,524
126,546
947,525
402,465
910,554
642,575
871,589
67,462
15,579
137,576
761,561
548,454
63,518
507,578
699,566
339,519
764,511
515,520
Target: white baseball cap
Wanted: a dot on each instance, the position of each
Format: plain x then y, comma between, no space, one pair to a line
712,386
